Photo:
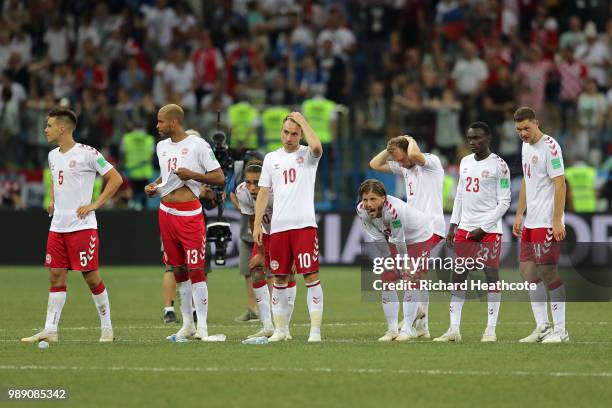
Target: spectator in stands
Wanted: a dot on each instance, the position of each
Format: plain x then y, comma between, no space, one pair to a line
531,78
132,79
58,39
572,73
594,54
208,64
574,36
92,76
372,116
469,73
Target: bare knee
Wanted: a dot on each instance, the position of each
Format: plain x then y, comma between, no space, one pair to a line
57,276
92,278
311,277
528,271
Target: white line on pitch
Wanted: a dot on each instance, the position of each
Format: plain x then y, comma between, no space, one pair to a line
306,370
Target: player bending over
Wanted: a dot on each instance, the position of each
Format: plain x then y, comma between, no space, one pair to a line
388,219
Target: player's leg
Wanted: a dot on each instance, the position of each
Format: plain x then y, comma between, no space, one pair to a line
281,260
421,325
493,304
168,293
100,298
245,253
464,248
57,262
390,306
305,249
184,290
291,294
262,294
556,291
529,253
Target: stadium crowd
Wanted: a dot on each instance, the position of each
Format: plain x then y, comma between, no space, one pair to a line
424,68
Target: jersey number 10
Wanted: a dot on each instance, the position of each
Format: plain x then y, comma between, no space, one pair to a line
289,175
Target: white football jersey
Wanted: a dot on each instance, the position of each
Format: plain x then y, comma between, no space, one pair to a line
74,174
292,176
483,194
399,224
247,205
542,162
192,153
424,188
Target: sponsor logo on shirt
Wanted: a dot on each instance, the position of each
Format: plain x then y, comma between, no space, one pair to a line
276,166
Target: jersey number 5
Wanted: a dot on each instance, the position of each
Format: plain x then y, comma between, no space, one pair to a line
289,175
472,188
60,177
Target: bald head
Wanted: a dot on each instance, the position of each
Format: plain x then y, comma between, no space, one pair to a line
173,112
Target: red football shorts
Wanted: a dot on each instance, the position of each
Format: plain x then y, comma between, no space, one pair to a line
300,246
181,226
76,251
539,245
266,247
488,249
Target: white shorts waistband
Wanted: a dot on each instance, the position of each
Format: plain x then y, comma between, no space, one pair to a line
180,213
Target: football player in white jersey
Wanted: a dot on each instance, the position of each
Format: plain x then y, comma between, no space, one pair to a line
73,236
424,176
186,162
483,197
387,219
290,172
543,196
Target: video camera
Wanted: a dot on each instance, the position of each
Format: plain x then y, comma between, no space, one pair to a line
219,231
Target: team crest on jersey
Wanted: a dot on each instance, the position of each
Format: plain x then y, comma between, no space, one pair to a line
184,151
274,265
48,258
72,164
534,160
485,174
300,160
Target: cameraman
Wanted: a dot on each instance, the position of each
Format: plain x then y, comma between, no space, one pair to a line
246,237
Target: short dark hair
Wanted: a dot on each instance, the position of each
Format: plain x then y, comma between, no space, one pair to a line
372,186
524,113
65,115
482,126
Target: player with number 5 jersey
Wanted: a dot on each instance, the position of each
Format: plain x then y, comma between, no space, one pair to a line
290,172
73,242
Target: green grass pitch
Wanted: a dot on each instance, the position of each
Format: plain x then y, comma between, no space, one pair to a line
350,368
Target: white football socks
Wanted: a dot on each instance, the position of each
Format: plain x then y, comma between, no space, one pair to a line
55,304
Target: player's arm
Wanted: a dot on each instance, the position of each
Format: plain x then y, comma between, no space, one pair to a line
260,207
234,200
51,206
257,260
151,188
214,177
313,141
380,162
503,199
414,153
520,210
455,216
112,182
559,207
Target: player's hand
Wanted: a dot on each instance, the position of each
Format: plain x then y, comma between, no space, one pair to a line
450,237
51,208
297,118
408,138
558,231
257,235
184,174
206,193
477,234
151,190
516,228
257,261
83,210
